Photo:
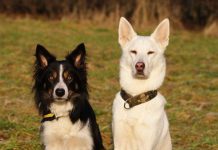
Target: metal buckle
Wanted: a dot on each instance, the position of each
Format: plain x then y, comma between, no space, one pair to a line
126,105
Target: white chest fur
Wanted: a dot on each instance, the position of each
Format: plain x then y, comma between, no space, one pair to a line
62,134
143,127
61,108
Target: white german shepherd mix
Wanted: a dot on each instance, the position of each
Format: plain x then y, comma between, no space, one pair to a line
139,119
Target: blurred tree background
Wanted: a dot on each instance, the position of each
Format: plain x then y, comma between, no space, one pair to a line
186,14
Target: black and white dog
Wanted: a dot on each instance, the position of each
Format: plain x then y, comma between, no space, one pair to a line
61,97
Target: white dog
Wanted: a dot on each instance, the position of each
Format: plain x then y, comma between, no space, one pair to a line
139,119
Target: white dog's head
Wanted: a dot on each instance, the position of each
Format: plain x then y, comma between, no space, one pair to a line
142,53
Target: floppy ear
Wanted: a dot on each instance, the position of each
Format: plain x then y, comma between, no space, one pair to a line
161,33
77,56
125,31
43,57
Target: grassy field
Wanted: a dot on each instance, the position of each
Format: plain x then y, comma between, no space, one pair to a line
190,87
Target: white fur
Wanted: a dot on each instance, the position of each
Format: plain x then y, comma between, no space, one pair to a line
61,84
61,134
145,126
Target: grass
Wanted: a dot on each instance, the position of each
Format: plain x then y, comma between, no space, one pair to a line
190,86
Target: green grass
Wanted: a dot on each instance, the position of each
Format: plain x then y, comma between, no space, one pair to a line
190,86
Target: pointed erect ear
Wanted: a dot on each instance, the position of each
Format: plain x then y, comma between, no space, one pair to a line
126,32
161,33
77,56
43,56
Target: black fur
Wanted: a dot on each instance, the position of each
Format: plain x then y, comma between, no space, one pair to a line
45,63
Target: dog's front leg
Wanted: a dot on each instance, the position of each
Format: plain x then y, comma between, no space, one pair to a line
165,144
53,147
52,142
78,143
124,138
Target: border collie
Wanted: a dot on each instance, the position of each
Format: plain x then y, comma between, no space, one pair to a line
61,97
139,120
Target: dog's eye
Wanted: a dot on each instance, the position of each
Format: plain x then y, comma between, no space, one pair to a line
51,78
150,52
133,52
69,78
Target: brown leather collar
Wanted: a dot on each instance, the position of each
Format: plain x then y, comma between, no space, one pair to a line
131,101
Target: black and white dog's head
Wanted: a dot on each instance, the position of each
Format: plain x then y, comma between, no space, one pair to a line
64,83
59,81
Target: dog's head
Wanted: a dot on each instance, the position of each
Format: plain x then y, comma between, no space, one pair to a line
59,81
142,53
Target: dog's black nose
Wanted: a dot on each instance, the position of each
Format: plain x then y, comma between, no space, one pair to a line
140,66
60,92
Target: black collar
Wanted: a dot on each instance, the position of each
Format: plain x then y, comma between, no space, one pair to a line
48,117
131,101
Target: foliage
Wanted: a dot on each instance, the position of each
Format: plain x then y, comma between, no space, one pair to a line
190,14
